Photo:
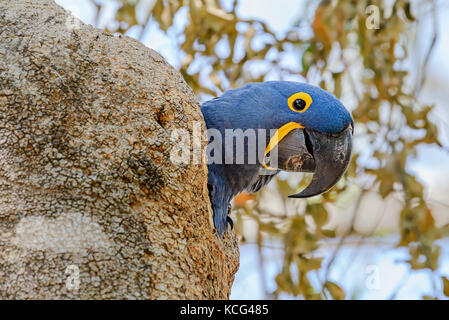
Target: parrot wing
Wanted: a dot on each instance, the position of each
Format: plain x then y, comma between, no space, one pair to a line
260,181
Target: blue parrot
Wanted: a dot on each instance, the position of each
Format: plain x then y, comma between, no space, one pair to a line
303,129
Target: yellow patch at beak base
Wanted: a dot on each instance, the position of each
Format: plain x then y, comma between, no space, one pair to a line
277,137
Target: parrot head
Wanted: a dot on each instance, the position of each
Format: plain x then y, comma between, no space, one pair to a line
306,129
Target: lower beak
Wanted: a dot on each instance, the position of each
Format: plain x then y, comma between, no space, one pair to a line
327,155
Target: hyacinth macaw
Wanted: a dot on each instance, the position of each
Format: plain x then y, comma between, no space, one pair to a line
312,133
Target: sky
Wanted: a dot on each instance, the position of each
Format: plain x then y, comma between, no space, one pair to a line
431,164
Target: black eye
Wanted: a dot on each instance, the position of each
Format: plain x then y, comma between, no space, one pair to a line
299,104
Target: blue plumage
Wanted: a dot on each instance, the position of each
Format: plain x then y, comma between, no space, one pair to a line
263,106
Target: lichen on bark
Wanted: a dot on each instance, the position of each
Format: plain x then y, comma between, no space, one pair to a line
86,181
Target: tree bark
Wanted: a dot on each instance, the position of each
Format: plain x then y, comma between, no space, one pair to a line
91,207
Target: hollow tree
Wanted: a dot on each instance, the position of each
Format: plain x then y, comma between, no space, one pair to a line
91,206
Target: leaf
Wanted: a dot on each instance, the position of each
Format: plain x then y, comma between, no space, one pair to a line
284,187
318,212
445,286
408,11
335,291
386,186
329,233
241,199
127,13
306,265
307,59
337,83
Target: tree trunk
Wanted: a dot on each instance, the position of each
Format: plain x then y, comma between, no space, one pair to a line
91,206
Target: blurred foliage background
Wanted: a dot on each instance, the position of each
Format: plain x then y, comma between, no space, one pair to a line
359,51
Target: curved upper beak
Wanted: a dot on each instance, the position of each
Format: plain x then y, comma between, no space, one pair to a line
327,155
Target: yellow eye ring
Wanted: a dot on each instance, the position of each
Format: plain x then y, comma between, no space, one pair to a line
305,101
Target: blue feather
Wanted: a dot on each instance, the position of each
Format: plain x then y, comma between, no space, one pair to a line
262,106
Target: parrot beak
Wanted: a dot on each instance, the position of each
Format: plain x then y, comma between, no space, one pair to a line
306,150
293,154
326,155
